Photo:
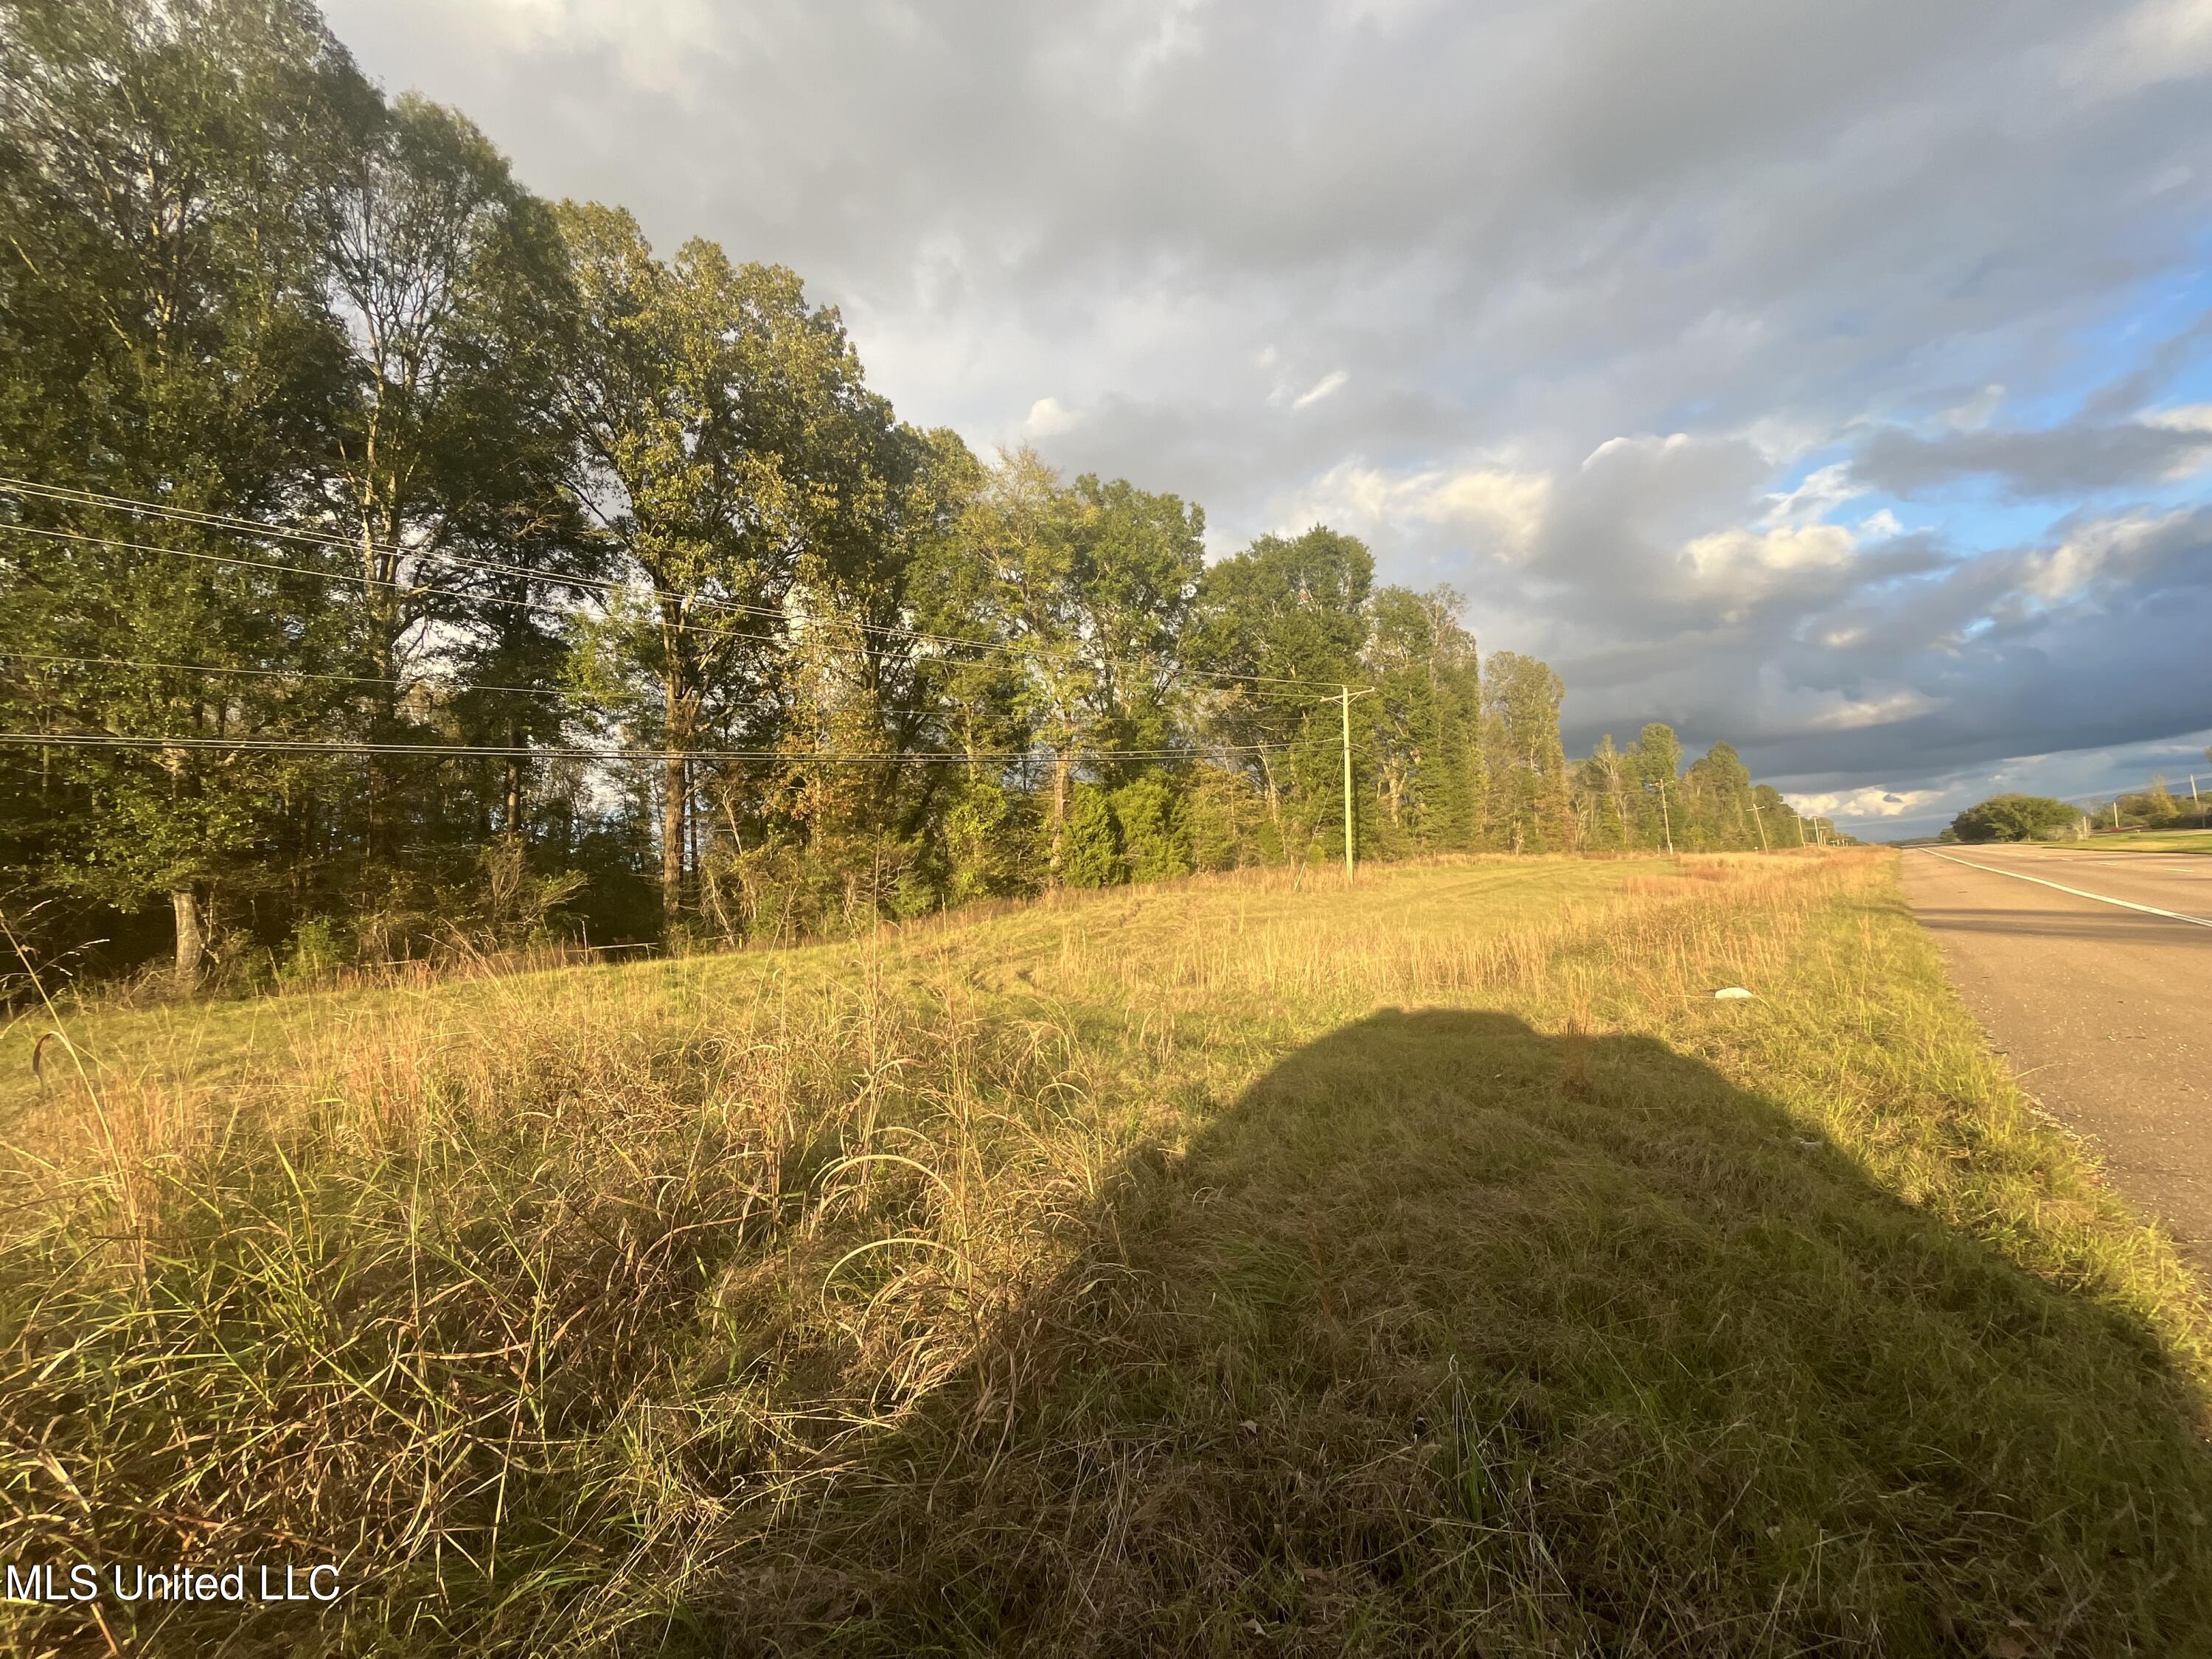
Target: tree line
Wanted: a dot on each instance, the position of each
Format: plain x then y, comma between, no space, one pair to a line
389,557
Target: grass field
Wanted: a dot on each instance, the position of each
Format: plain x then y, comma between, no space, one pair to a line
1238,1266
2158,841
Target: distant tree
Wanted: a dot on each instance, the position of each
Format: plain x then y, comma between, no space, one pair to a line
1285,610
1655,765
1425,730
1091,851
2015,817
1526,767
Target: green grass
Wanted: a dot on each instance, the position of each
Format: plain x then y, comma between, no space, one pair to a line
2157,841
1228,1267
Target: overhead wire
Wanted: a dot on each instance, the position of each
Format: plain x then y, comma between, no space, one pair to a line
516,752
229,524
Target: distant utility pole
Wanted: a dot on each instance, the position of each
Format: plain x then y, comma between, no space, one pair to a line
1761,823
1666,826
2116,811
1350,862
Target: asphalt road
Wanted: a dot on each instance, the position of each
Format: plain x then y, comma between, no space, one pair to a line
2104,1010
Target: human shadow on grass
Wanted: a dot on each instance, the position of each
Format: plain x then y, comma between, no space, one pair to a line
1451,1337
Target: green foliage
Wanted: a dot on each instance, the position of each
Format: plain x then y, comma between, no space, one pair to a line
1226,820
317,949
1154,837
989,844
2015,817
1090,853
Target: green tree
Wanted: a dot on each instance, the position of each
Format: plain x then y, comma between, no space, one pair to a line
1717,802
1292,614
451,281
1091,851
1656,766
167,339
1526,767
2015,817
705,398
1425,733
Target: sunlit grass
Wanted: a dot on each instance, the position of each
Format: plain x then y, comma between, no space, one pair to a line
1432,1266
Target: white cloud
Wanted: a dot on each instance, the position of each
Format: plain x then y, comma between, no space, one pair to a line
1738,553
1502,509
2100,551
1330,382
1848,715
1977,411
1858,806
1046,418
2184,417
1828,487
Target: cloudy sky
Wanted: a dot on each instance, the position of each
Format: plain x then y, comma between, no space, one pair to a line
1834,377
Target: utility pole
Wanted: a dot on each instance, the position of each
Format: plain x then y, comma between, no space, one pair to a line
1350,862
2116,811
1761,823
1666,825
1344,695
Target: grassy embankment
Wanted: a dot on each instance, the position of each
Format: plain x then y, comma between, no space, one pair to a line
1220,1267
2154,840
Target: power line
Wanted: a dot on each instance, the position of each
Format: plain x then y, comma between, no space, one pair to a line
454,687
507,752
268,673
236,525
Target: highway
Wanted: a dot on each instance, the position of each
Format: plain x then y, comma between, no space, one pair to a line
2099,996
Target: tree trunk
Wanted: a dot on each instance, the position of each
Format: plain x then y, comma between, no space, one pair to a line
674,794
514,779
192,938
1057,856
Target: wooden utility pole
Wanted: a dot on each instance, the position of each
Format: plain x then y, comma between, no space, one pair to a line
1761,823
1344,703
1350,860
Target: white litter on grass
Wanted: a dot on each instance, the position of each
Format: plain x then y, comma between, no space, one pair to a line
1733,994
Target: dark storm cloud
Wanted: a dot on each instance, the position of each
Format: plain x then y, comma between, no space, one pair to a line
2061,461
1552,302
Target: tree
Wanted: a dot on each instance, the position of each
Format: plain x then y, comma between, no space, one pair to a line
1717,802
1655,763
451,281
1287,614
167,339
1528,809
1424,733
1081,595
705,397
2015,817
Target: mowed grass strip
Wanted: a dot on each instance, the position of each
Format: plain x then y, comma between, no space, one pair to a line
1247,1265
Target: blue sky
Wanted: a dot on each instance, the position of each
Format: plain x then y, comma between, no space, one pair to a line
1835,381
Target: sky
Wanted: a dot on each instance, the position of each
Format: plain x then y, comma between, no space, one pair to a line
1832,380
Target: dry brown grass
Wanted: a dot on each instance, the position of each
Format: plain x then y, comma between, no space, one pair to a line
1120,1273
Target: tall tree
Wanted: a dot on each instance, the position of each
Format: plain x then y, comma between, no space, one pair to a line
1425,731
707,398
1656,765
450,279
1526,765
162,316
1292,614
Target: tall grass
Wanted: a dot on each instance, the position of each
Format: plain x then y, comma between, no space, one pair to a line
998,1283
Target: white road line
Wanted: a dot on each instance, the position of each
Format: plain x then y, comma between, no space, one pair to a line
2147,910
